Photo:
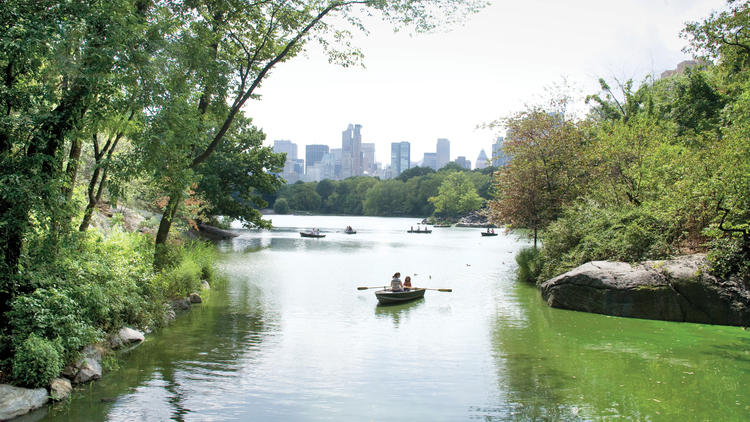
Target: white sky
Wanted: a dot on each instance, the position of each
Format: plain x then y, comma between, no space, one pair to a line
421,87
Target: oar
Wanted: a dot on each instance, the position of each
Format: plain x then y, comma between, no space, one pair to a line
438,290
376,287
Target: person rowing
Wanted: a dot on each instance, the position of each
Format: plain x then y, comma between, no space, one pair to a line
396,285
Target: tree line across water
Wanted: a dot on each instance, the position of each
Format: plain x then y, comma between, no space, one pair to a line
417,192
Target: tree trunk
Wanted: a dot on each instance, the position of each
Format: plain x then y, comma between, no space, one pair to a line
164,225
535,235
71,171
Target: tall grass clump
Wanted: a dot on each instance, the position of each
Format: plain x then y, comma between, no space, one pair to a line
529,265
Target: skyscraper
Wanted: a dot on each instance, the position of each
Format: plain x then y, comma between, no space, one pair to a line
463,162
430,160
482,160
368,158
443,153
499,158
313,155
400,157
351,151
289,147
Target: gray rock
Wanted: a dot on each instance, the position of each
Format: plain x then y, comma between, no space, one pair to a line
205,285
60,388
70,372
195,298
125,337
15,401
88,370
674,290
180,304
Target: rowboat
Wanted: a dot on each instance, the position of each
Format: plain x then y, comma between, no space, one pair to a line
307,234
419,231
350,231
389,297
488,234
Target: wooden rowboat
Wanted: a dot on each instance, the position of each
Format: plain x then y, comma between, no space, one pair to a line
388,297
350,231
488,234
306,234
419,231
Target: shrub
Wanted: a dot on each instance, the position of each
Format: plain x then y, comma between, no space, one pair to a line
729,258
588,232
529,265
36,362
281,206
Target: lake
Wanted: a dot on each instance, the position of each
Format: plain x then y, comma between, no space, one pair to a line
289,337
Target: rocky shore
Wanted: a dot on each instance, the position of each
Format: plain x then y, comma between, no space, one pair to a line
679,289
16,401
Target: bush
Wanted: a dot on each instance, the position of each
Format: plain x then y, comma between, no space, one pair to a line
728,257
529,265
36,362
588,232
281,206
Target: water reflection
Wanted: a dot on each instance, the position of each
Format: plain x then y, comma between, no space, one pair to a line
397,312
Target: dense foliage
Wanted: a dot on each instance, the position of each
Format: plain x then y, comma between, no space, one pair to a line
141,100
418,194
652,171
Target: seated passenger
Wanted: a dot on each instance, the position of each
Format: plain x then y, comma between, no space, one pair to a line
396,283
407,283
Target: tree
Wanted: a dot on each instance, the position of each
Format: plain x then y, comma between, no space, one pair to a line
724,36
229,48
456,196
547,170
413,172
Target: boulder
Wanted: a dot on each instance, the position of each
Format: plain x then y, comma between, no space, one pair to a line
195,298
89,369
125,337
679,289
60,389
16,401
181,304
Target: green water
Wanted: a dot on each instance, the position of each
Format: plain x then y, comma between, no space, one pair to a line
290,338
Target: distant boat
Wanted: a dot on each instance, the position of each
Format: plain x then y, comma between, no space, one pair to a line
308,234
419,231
389,297
350,230
488,234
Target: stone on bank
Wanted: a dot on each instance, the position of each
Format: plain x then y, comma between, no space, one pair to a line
679,289
16,401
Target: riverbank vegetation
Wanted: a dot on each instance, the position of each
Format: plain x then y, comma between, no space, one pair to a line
653,170
417,192
138,102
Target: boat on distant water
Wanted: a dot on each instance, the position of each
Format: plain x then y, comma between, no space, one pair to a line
311,234
419,231
389,297
488,234
350,230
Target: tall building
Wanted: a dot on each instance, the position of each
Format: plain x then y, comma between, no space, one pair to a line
463,162
499,158
430,160
443,153
336,152
368,158
482,160
289,147
313,155
400,157
351,151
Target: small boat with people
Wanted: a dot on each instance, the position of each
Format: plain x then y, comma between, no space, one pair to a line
350,230
489,232
419,230
315,233
389,297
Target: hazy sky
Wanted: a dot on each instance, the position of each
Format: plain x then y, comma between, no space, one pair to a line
421,87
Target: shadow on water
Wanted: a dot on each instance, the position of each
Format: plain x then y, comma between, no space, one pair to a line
397,312
209,343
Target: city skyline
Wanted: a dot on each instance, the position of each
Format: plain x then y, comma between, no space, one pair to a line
447,84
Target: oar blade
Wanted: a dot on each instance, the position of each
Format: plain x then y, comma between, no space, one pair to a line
362,288
445,290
